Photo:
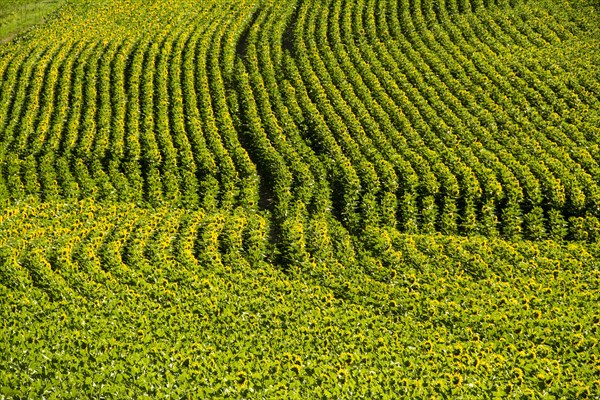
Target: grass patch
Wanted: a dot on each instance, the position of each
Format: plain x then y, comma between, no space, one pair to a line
18,15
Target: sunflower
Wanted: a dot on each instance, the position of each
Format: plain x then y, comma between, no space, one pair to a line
242,378
456,379
343,374
296,368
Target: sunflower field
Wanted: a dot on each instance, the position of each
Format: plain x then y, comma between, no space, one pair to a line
297,199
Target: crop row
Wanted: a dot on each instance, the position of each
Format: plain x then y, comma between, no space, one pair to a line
126,115
416,115
485,169
419,125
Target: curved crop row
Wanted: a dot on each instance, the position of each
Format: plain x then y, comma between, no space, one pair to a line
424,116
112,114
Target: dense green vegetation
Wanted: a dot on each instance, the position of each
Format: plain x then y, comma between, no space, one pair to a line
301,199
117,301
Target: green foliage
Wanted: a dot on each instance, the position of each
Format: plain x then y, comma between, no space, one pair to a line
422,117
301,199
122,301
